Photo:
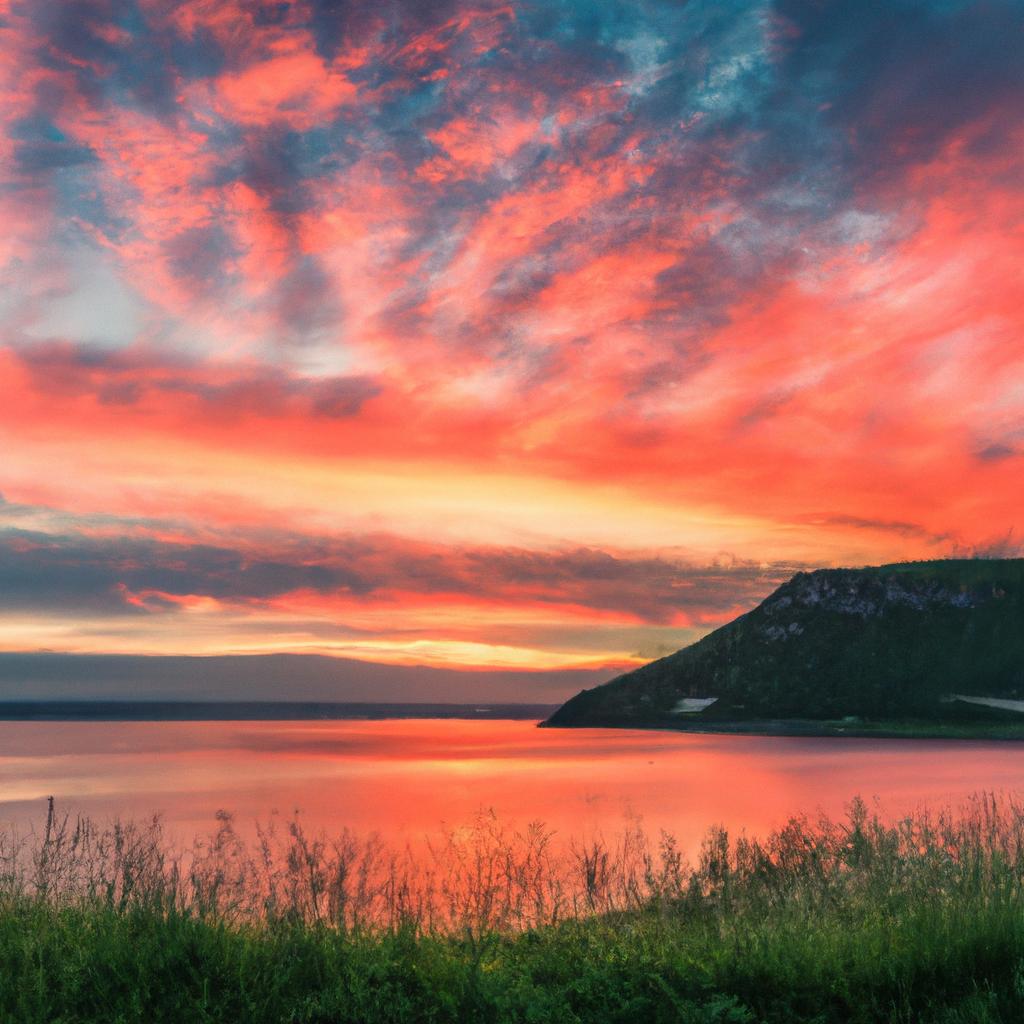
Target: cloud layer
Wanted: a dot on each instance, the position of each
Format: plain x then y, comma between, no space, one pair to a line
477,332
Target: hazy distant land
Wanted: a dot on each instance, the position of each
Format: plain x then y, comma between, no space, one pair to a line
254,711
314,678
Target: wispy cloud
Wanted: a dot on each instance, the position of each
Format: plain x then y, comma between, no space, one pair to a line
751,269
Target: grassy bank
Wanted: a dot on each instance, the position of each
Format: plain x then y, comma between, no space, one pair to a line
922,920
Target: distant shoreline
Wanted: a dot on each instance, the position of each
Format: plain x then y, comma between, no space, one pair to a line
295,711
883,729
258,711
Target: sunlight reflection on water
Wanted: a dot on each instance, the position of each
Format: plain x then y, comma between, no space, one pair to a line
406,778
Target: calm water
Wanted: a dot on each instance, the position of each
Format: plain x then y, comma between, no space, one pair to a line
406,778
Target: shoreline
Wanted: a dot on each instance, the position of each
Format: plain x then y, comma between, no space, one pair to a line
827,729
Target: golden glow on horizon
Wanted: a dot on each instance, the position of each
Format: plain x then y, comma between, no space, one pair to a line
446,501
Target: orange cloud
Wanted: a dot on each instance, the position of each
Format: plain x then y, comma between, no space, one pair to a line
469,278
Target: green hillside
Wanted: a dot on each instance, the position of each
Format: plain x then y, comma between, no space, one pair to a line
891,642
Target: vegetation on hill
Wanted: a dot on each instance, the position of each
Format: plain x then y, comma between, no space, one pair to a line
855,921
890,642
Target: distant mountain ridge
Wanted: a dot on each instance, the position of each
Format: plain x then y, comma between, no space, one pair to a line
892,641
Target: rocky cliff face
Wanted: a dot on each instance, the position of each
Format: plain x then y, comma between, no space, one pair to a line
890,641
861,593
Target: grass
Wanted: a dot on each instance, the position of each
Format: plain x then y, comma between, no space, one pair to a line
856,920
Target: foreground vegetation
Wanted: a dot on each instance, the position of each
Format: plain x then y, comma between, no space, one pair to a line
856,920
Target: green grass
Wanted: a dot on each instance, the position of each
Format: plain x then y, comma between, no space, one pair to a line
852,921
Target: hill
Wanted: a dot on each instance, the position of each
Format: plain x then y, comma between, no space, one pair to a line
891,642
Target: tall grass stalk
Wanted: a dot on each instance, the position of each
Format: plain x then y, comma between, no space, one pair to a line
488,876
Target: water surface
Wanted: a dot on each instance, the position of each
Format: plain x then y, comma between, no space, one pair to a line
405,778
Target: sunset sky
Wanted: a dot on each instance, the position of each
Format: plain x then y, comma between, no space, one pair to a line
529,336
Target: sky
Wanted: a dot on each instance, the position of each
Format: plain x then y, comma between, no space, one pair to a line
532,339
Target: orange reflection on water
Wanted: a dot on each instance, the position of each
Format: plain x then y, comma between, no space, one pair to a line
406,778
